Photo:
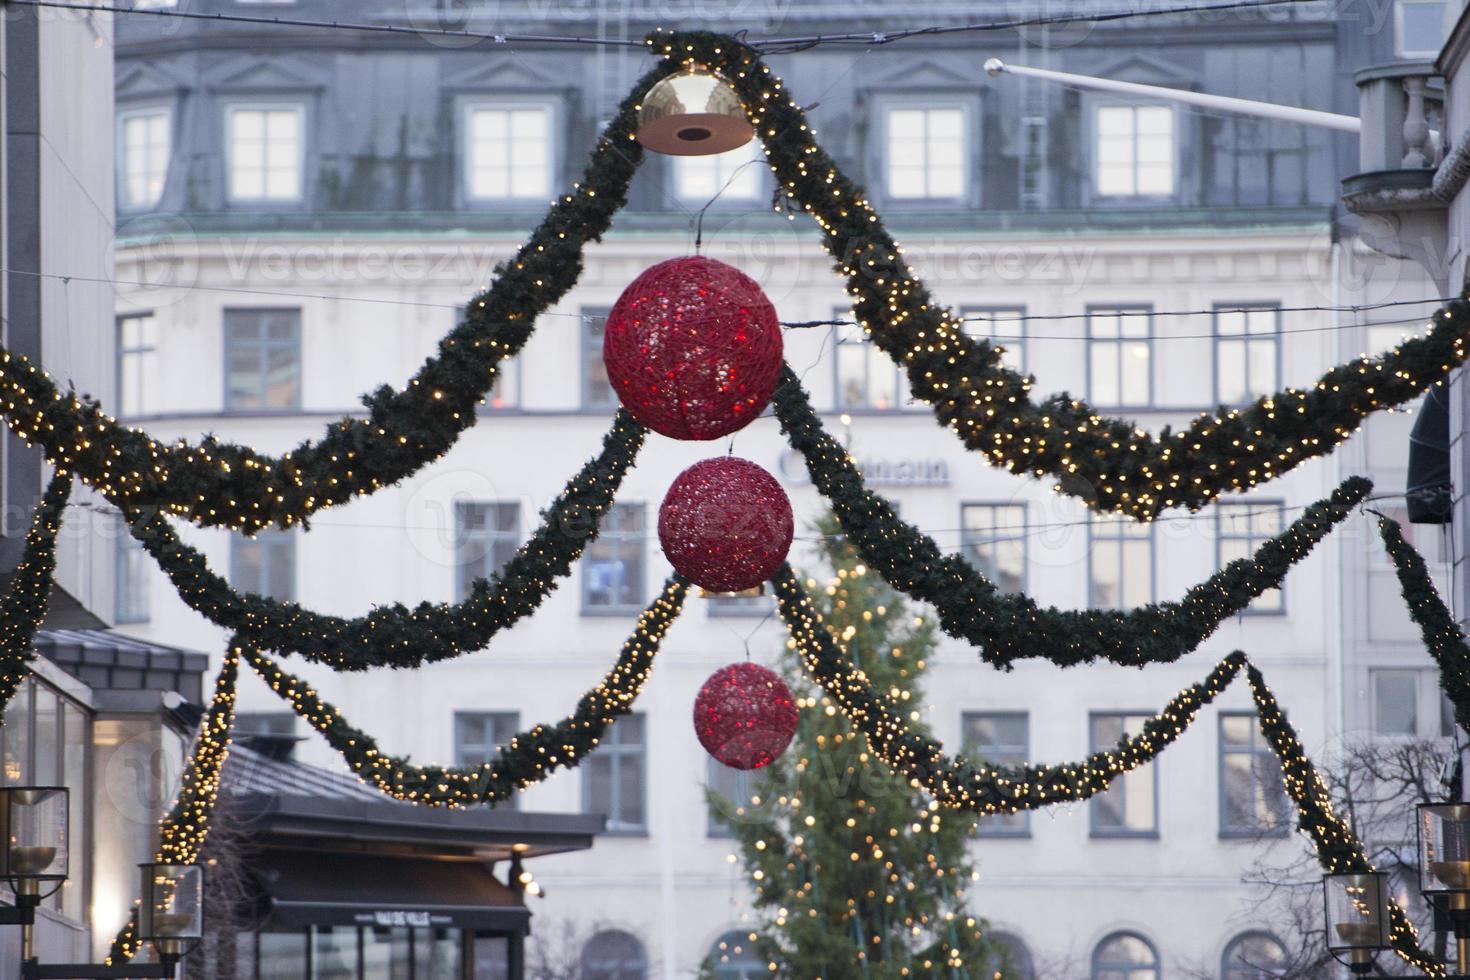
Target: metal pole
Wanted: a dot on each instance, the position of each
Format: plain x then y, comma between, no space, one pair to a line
1220,103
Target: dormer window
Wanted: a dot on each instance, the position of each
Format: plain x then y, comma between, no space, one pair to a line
1134,149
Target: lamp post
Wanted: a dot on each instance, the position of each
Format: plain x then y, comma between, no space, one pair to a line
33,862
1357,918
1444,868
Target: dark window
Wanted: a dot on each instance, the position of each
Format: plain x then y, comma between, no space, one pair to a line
1125,956
1012,959
1395,702
1129,807
614,955
613,566
265,564
265,723
1252,797
487,535
613,776
262,360
999,738
1253,956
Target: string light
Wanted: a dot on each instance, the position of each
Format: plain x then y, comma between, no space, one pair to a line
24,605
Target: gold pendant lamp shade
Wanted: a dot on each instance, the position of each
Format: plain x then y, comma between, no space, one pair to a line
693,114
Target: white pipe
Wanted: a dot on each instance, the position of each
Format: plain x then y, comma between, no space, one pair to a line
1220,103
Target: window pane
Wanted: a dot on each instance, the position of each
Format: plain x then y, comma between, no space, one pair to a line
334,953
998,739
613,566
596,391
133,567
1127,807
614,955
1395,702
509,152
15,735
925,154
265,153
1422,23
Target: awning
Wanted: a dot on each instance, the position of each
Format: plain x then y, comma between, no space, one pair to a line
1428,489
321,888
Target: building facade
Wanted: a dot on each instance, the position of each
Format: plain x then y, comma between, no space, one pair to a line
313,207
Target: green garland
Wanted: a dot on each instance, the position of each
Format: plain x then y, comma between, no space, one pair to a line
1442,635
984,789
527,758
397,635
228,485
1109,463
1011,627
183,830
24,605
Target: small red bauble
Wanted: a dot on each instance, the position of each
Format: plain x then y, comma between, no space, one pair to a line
745,715
693,348
725,524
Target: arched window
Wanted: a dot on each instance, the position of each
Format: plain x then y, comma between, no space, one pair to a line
733,957
1011,960
1125,956
1253,956
614,955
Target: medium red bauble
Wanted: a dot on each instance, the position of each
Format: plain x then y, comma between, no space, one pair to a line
693,348
725,524
745,715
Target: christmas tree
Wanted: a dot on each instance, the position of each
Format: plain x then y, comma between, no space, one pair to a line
856,873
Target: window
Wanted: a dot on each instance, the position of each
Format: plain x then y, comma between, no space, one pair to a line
1012,958
479,735
508,153
999,739
131,602
265,564
993,539
1253,956
613,776
1252,799
866,378
1003,326
143,149
733,957
1247,352
506,391
1128,808
739,786
281,723
1421,31
1125,956
262,360
1135,151
612,571
137,364
1120,356
614,955
265,152
487,536
597,392
734,175
1121,564
1241,528
926,153
1395,702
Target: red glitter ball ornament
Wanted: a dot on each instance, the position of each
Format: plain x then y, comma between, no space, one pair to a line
725,524
745,715
693,348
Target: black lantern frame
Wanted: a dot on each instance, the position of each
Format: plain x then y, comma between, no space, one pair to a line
1356,911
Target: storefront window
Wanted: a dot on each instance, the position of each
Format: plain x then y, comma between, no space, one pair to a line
282,956
386,954
334,953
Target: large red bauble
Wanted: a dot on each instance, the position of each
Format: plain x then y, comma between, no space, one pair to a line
693,348
745,715
725,524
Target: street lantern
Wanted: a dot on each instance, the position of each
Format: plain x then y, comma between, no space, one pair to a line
1444,867
33,826
170,914
1357,917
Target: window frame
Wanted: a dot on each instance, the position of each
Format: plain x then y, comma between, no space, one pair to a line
968,105
264,538
1023,535
124,547
1093,965
1252,544
615,752
465,108
492,537
901,393
1238,938
226,344
605,535
1094,171
124,114
1021,831
642,966
1244,338
1018,317
303,128
1375,674
125,353
1094,832
1258,747
1153,559
1399,49
1145,310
